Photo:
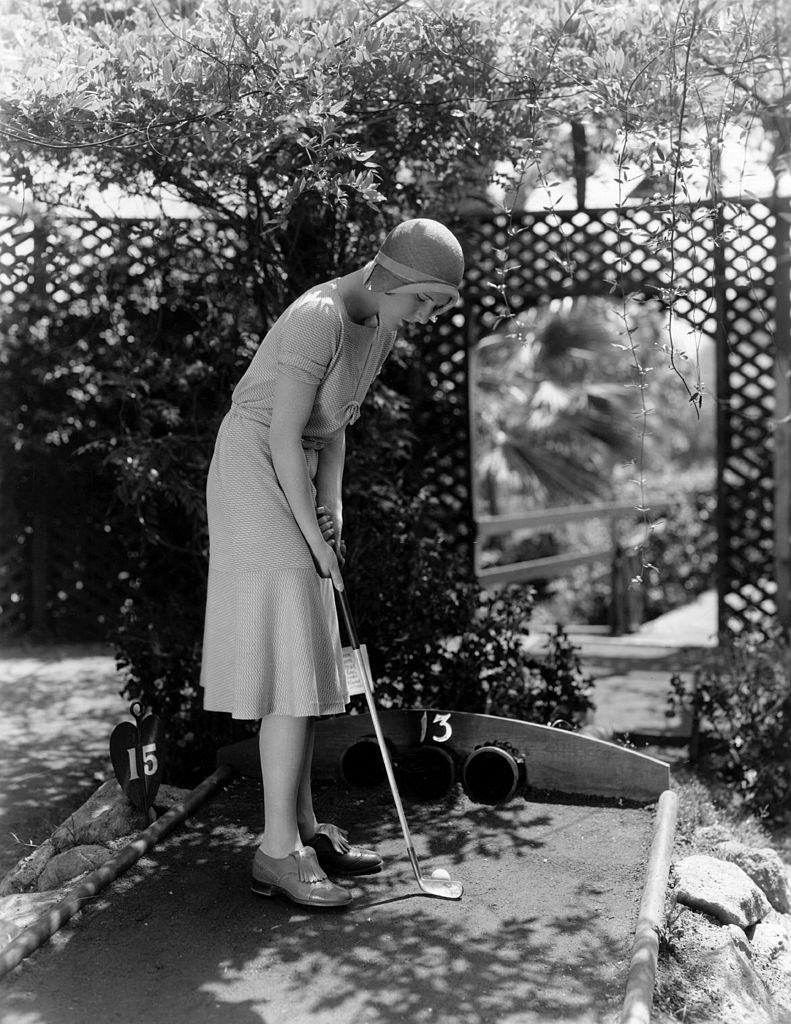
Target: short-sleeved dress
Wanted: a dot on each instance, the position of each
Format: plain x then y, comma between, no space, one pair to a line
271,642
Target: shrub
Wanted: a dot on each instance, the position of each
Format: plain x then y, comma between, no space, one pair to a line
435,638
742,698
685,553
450,644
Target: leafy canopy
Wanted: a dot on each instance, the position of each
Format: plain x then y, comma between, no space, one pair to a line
243,108
298,126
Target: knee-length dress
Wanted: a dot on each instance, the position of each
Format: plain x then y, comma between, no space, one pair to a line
271,642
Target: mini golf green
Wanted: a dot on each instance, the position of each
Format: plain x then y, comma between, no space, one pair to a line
553,884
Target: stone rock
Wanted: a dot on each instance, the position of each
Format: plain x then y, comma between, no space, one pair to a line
105,819
740,940
728,989
766,869
106,814
24,875
720,888
23,908
63,867
8,931
167,796
771,940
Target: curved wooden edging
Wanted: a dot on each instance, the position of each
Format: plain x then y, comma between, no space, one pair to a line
45,926
645,950
556,760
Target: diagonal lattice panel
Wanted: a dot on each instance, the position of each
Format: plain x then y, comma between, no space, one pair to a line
16,266
442,419
747,408
712,266
599,252
72,272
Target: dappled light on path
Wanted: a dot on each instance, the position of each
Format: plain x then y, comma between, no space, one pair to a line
58,707
543,932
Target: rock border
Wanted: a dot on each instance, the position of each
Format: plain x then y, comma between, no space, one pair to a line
728,925
38,914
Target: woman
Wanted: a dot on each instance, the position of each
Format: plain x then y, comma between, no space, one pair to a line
271,641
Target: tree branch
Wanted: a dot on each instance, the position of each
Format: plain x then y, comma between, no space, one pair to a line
747,87
32,140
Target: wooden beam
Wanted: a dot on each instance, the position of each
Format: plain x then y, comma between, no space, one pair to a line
493,526
542,568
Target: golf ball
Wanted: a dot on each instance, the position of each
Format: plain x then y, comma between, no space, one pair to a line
440,873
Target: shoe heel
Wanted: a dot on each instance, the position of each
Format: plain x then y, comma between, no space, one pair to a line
262,889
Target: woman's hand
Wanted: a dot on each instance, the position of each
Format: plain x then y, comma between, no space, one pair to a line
326,524
330,531
327,565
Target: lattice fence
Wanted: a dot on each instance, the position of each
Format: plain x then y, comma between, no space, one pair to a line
515,264
748,496
76,271
442,420
717,268
59,557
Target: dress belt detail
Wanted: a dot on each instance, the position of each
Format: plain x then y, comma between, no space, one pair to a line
308,443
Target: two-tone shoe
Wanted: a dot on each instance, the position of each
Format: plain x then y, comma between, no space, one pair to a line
299,877
337,855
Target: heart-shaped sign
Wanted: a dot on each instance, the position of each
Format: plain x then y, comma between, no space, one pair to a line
136,751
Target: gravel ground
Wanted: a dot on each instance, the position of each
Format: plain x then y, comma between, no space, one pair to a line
543,932
59,704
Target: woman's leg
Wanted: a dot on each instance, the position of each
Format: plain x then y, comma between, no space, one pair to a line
284,743
306,817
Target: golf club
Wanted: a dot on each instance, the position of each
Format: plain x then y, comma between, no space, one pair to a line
443,888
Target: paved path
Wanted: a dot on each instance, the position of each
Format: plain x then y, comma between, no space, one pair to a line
58,706
632,673
542,934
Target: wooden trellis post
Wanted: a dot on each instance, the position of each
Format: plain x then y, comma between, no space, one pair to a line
782,419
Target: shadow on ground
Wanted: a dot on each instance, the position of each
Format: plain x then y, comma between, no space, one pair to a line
59,706
543,932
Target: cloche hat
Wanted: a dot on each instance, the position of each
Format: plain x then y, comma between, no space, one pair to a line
418,255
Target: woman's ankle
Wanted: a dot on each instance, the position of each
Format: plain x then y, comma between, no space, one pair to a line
307,827
278,846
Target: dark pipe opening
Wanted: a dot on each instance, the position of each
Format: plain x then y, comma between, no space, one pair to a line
362,764
427,773
491,775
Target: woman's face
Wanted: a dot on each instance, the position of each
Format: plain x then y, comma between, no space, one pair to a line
398,309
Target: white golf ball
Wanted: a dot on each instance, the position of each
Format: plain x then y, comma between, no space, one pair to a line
440,873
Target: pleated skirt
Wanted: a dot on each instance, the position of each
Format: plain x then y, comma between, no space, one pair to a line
271,644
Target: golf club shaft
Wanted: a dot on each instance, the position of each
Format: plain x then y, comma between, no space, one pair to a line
362,668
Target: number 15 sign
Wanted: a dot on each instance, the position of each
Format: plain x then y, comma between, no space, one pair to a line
136,753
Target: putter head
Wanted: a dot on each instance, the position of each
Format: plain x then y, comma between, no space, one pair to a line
441,888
